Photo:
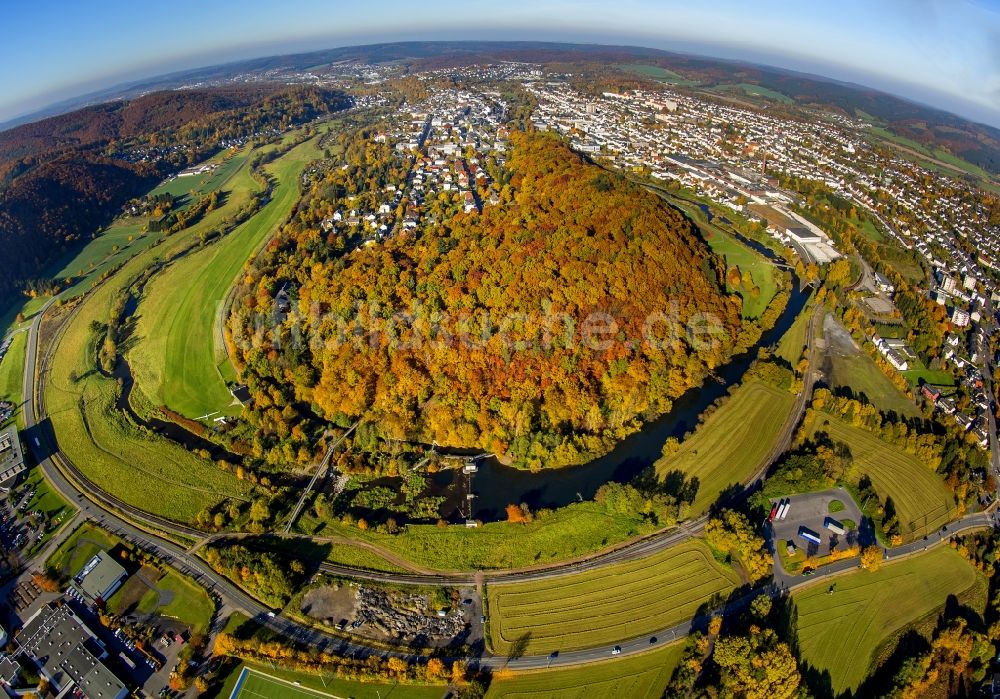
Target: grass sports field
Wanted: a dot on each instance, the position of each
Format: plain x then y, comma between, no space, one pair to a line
730,445
251,682
841,632
178,357
922,500
636,677
608,605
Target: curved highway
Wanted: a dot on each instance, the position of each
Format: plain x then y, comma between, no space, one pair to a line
151,533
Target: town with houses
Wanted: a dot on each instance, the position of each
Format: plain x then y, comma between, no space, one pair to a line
450,150
454,143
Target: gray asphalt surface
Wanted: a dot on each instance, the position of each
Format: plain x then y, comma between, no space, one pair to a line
100,508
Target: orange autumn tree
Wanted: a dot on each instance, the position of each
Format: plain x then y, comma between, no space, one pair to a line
518,514
570,248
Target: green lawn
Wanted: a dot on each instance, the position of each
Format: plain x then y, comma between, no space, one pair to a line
79,548
752,265
363,559
860,373
179,359
189,603
918,374
635,677
229,162
556,535
12,372
755,269
28,307
121,239
141,468
607,605
47,501
946,157
923,501
729,447
793,342
46,498
265,682
841,632
870,230
340,552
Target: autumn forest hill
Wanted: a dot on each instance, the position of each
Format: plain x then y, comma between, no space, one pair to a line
62,179
566,233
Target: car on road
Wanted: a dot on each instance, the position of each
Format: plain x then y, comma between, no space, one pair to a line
652,640
617,650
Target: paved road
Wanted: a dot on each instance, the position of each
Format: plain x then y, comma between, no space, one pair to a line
986,368
101,508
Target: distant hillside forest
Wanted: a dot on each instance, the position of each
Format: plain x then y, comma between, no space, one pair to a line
977,143
566,241
63,178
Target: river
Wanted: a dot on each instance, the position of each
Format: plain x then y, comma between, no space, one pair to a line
496,485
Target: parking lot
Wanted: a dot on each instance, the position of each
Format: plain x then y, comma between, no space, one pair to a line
812,511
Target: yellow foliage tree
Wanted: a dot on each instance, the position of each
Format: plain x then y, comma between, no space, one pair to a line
871,558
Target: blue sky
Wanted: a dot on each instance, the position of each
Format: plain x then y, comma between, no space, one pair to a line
940,52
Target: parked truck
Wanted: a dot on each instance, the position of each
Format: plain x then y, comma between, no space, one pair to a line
834,526
809,535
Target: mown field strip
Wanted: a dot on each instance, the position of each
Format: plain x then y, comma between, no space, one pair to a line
635,677
607,605
840,632
923,501
730,445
